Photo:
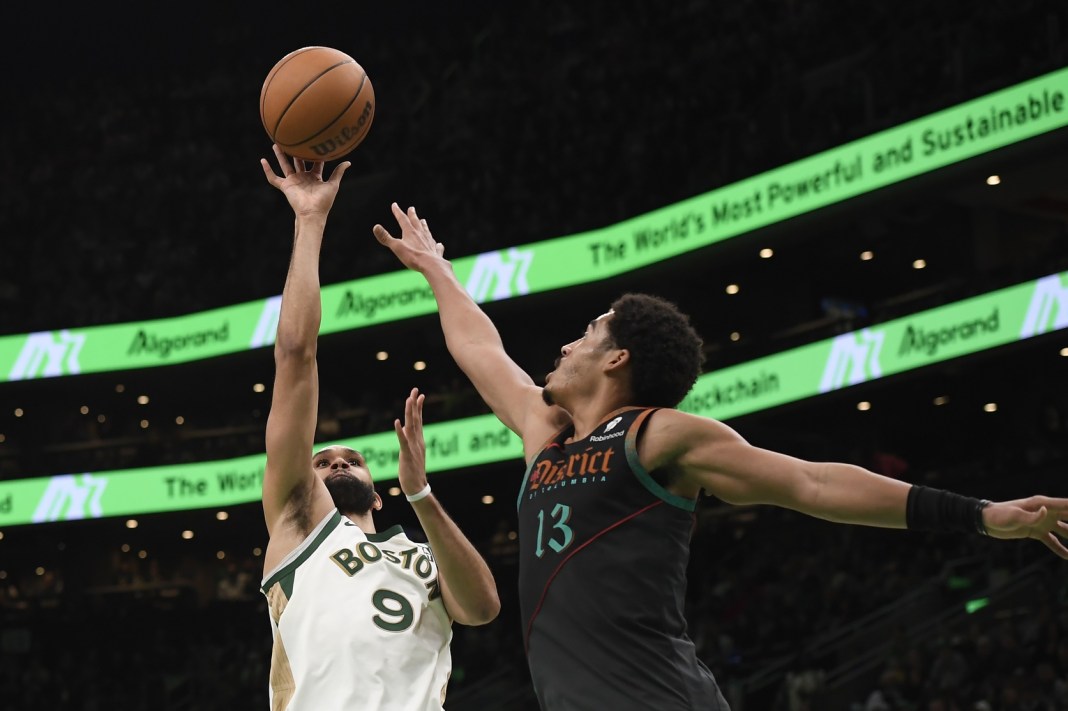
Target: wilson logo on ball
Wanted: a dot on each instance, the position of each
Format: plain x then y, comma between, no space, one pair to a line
331,146
317,103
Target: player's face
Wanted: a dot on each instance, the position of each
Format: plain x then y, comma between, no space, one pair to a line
345,473
335,461
579,360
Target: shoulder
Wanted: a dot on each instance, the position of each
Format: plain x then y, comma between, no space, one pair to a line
671,434
297,531
300,505
298,515
669,422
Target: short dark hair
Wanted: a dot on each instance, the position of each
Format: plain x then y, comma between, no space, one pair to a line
665,351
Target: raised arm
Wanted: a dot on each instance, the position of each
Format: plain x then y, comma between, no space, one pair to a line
467,585
472,339
709,455
288,478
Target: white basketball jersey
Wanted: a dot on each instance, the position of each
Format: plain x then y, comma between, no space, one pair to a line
358,623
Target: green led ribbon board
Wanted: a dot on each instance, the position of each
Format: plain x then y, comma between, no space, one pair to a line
959,329
920,146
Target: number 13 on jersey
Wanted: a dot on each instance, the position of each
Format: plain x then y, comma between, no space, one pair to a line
560,534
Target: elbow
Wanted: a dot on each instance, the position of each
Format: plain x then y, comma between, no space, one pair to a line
486,611
297,350
489,611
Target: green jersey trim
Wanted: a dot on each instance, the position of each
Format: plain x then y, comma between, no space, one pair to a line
331,523
654,487
385,535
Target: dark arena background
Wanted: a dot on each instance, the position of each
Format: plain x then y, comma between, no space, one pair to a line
863,206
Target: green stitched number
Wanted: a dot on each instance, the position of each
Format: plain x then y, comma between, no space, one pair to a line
399,608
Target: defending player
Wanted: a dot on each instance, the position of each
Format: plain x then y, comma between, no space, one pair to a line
613,477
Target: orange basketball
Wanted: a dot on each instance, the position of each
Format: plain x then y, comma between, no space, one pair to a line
317,103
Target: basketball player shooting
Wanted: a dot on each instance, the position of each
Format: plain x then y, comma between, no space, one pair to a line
362,618
613,475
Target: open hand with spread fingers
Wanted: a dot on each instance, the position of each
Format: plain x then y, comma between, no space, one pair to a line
1042,518
302,183
416,247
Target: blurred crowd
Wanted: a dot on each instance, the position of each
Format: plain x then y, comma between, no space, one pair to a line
172,631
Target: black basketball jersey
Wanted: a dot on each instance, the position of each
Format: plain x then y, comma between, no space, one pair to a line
602,578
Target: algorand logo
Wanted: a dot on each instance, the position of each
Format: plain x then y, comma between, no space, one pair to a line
1048,310
146,342
854,359
500,275
267,326
69,497
46,354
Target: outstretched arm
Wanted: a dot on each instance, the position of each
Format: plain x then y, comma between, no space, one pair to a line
710,455
291,423
472,339
467,585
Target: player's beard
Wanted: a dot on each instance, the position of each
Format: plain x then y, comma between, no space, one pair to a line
350,495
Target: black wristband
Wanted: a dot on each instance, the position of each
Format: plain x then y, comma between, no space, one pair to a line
930,509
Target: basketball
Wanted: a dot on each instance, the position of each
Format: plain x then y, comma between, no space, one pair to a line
317,103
